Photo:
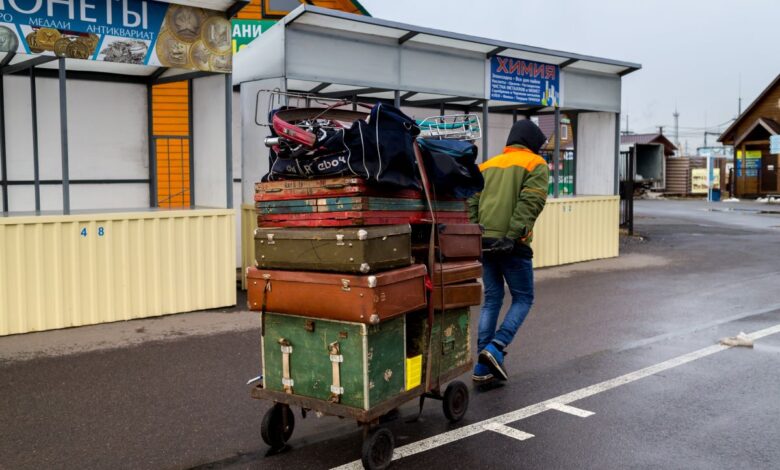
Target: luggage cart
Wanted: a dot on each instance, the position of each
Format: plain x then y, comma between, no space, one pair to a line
278,423
378,443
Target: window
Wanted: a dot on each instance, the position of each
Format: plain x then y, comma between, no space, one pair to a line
564,132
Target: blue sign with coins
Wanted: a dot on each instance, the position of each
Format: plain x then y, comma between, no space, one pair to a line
139,32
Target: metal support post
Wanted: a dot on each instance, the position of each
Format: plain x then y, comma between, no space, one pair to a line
190,121
514,116
557,154
397,99
574,123
64,139
3,158
229,138
617,154
442,111
153,202
34,112
485,112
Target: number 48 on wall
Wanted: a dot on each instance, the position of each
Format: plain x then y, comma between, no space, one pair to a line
100,231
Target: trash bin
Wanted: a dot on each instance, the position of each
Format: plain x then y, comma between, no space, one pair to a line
716,195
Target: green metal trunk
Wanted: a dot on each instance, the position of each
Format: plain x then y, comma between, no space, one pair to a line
451,342
373,360
348,250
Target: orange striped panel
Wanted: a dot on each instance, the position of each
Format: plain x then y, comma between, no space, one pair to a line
171,127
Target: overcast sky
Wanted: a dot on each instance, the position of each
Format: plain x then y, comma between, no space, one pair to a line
693,53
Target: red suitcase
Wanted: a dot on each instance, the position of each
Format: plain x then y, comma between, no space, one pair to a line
328,187
348,218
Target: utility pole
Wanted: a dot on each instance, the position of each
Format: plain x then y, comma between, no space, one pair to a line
677,129
739,101
661,130
626,124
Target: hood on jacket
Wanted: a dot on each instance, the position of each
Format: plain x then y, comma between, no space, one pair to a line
527,134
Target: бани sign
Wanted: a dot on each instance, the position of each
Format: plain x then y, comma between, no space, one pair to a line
125,31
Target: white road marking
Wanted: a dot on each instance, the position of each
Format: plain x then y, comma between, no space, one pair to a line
570,410
532,410
508,431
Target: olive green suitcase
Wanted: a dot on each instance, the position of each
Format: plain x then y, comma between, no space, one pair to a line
346,250
451,342
353,364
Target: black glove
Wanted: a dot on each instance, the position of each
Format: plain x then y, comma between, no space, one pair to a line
503,246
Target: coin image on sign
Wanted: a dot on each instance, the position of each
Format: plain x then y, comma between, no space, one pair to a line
184,22
8,40
172,52
216,34
92,41
32,42
77,50
61,47
87,43
199,56
47,37
221,63
125,51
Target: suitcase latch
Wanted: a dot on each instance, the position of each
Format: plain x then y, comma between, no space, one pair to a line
308,325
345,285
270,237
340,239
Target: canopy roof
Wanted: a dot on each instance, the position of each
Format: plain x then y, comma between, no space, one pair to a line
336,54
338,20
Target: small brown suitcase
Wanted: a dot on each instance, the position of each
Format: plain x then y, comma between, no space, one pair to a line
457,295
453,272
346,297
456,241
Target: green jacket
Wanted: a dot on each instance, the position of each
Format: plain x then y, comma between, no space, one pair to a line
514,195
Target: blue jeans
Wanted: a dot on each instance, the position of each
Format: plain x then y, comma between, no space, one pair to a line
519,275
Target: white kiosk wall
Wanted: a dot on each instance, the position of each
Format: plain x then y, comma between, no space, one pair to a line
107,138
596,154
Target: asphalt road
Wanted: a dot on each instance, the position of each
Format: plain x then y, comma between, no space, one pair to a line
697,275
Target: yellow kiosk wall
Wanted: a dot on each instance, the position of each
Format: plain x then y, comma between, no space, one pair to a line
58,271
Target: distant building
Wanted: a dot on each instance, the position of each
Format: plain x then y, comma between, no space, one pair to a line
755,168
546,123
629,140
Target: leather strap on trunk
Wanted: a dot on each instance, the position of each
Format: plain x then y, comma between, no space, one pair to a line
287,381
336,390
431,383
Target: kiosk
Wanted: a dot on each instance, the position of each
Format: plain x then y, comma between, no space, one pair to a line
430,72
82,237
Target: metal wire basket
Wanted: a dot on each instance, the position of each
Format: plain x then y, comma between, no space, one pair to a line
451,127
278,99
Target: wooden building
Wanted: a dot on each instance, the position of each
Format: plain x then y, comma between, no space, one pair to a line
755,167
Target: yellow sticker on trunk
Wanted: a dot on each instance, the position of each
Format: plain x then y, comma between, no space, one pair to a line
413,372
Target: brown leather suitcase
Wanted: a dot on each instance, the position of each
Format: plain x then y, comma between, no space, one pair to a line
454,272
457,295
456,241
460,241
346,297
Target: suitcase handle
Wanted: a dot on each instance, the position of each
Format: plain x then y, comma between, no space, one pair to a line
273,190
334,186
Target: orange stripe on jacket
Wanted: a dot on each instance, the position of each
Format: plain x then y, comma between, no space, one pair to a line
513,156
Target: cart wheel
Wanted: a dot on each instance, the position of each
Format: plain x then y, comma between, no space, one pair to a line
456,401
378,449
278,425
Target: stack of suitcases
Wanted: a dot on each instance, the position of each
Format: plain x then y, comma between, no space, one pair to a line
343,281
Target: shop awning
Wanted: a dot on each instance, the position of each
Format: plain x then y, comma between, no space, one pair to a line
337,54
